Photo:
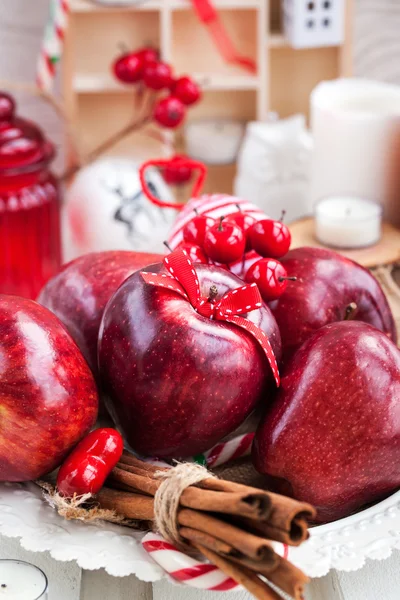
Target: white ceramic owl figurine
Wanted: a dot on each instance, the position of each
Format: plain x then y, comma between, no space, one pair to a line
107,210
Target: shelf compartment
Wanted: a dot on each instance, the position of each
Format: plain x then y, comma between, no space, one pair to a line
193,49
294,74
221,105
97,40
100,117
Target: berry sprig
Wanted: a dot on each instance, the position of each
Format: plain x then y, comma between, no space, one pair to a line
227,241
145,66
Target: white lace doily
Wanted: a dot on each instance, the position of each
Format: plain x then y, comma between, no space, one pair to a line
343,545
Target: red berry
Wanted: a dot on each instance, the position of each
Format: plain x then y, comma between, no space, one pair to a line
196,254
7,106
128,68
224,242
195,230
176,173
157,75
270,238
244,221
270,276
186,90
169,112
148,55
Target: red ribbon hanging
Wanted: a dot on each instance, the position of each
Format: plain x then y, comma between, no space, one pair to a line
183,280
165,162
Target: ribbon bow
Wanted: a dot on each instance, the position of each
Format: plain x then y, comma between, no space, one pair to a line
183,280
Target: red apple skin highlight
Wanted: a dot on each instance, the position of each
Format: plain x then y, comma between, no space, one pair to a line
179,382
326,284
79,293
333,432
48,397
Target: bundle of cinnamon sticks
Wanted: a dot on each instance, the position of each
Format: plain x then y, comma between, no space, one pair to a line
231,524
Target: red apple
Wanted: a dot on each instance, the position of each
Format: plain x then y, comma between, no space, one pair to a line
48,398
333,434
177,381
79,292
327,283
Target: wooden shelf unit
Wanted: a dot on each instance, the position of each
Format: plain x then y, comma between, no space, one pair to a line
97,104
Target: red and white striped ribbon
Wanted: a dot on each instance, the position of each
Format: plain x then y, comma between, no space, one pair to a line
52,45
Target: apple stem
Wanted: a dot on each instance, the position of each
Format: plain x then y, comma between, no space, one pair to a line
350,311
282,215
123,48
212,293
196,212
287,278
220,223
167,246
238,207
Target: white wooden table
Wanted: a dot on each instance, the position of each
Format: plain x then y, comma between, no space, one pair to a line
378,580
377,53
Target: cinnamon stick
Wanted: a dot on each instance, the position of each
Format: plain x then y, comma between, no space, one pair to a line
208,540
289,579
248,579
148,485
132,506
250,545
255,505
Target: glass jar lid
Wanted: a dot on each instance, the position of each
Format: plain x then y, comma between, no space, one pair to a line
22,143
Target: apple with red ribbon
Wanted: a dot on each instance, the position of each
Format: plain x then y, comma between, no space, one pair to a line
185,353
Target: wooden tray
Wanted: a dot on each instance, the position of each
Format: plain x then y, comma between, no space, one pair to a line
386,252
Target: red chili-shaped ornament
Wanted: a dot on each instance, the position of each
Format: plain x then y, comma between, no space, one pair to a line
85,470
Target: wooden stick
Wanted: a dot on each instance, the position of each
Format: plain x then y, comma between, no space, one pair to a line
241,575
250,545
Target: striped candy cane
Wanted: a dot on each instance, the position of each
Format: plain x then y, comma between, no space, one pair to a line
52,44
184,568
190,571
226,451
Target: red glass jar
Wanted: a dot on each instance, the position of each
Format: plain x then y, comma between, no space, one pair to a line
30,246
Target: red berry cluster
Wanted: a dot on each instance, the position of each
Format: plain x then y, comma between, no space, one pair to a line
226,241
144,65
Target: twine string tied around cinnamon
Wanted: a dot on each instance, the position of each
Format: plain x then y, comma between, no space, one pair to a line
166,499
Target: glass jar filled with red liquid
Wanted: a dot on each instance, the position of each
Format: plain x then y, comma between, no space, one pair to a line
30,249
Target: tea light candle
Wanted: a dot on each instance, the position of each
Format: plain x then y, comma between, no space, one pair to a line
214,142
21,581
348,222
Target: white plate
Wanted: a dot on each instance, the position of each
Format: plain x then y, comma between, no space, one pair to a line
343,545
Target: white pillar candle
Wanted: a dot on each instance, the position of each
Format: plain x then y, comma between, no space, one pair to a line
214,142
21,581
356,131
347,222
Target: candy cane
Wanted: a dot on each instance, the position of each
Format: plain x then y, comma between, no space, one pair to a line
224,452
190,571
184,568
52,44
